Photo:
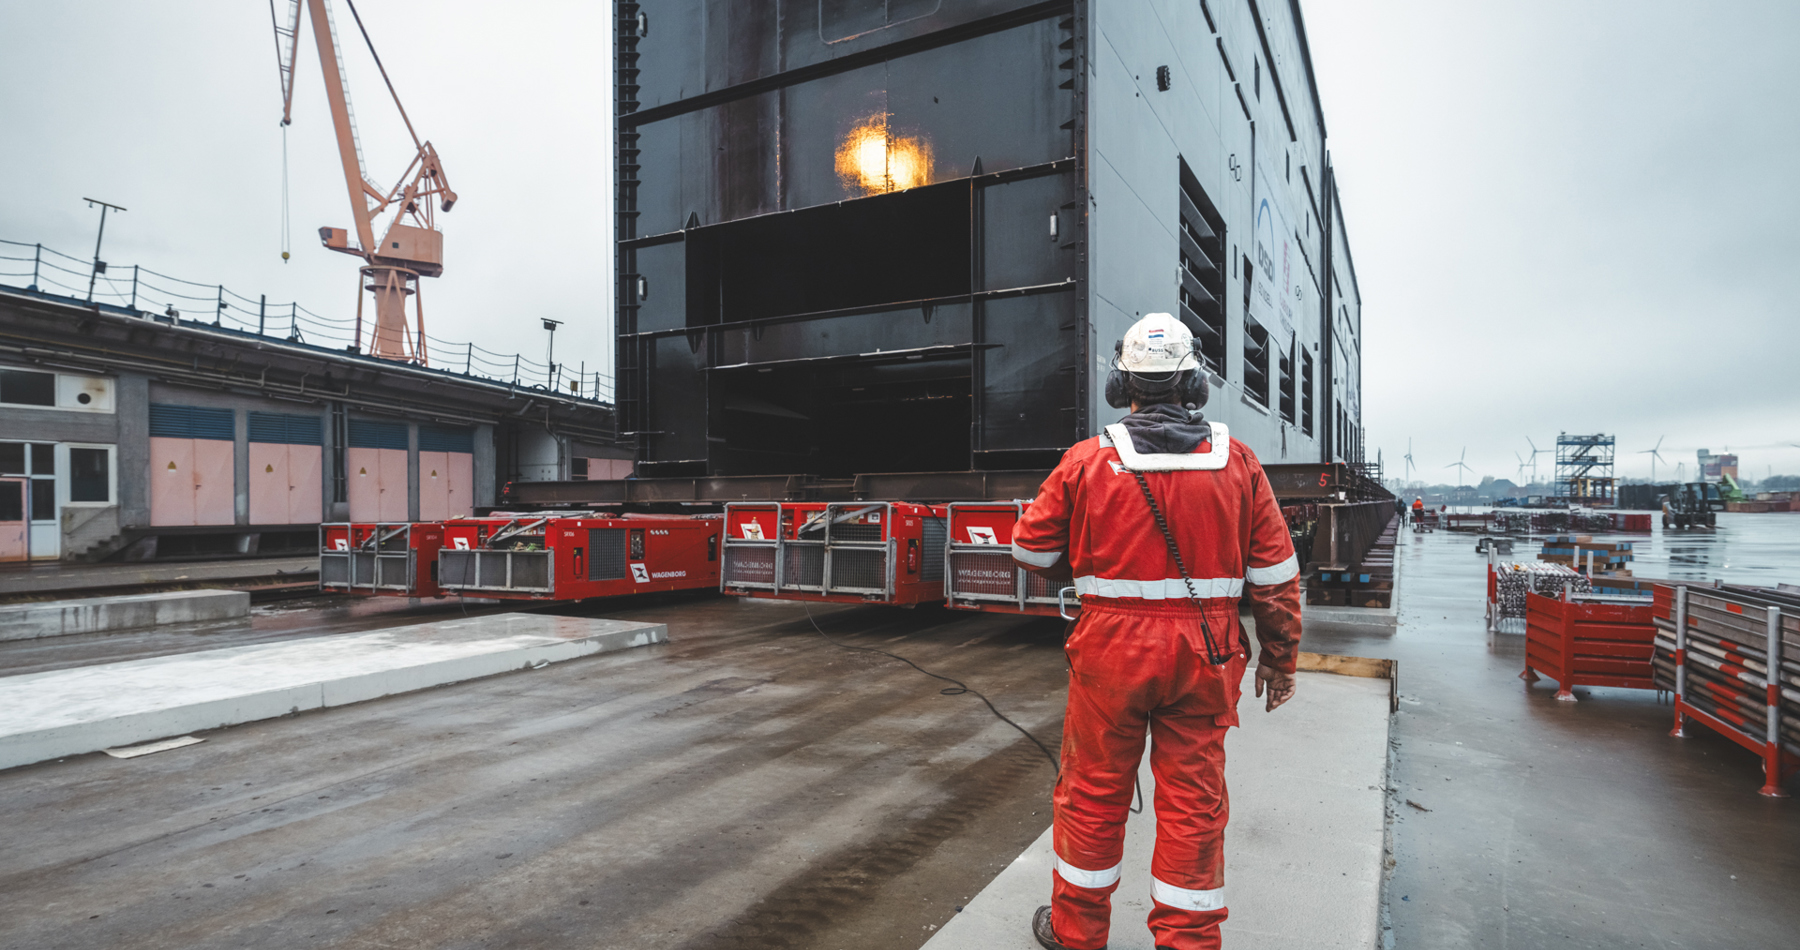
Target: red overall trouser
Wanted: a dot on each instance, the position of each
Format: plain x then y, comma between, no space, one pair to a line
1135,665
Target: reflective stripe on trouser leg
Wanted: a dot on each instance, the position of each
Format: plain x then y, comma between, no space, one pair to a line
1182,898
1187,874
1091,880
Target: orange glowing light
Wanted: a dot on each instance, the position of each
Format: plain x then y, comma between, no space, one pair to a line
874,160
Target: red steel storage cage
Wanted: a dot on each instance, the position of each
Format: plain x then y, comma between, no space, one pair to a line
1587,642
397,559
845,552
578,555
978,564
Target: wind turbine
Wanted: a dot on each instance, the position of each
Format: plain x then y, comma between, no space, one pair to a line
1535,452
1521,459
1655,456
1409,460
1458,464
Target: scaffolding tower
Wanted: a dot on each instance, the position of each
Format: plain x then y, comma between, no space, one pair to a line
1584,470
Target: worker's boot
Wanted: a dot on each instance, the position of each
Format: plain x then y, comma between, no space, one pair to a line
1045,934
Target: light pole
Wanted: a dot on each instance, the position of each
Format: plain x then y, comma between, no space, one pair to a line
550,352
99,265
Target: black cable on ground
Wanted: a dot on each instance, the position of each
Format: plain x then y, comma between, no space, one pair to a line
956,690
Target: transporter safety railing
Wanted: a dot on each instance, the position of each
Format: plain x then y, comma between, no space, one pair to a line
381,560
483,569
983,573
830,553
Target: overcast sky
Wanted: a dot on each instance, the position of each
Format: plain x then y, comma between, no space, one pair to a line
1570,216
1564,216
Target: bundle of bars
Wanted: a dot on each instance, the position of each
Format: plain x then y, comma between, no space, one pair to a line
1580,551
1723,663
1513,581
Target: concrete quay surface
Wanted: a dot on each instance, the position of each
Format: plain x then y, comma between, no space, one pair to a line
1303,851
746,784
72,711
61,618
1522,822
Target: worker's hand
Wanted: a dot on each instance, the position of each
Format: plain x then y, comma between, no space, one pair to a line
1280,685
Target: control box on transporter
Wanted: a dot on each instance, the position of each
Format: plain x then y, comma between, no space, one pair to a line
578,555
845,552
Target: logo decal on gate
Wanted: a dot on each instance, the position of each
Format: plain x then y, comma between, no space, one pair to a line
982,535
752,531
640,574
340,544
460,544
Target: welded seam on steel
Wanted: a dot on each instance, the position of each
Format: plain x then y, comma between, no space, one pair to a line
843,64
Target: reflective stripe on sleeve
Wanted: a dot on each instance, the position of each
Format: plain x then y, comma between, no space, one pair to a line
1184,898
1168,588
1035,558
1275,573
1088,879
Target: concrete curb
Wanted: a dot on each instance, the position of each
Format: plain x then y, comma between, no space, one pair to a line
56,618
70,712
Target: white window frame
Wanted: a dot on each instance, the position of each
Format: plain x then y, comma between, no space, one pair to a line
65,474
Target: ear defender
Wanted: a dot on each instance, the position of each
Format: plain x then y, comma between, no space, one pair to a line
1116,396
1195,389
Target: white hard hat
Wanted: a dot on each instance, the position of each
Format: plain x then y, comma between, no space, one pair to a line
1157,344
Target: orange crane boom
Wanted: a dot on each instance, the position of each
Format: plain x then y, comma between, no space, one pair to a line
411,246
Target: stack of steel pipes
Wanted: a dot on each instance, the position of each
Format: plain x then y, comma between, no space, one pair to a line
1715,648
1509,583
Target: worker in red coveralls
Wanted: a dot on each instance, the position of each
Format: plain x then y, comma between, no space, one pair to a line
1163,523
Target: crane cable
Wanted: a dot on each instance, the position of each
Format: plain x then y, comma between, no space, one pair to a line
287,230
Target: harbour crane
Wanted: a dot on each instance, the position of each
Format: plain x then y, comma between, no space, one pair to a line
411,246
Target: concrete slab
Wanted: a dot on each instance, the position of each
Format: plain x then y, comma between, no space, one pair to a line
86,709
1304,849
56,618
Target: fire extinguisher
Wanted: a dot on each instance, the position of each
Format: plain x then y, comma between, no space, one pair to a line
912,555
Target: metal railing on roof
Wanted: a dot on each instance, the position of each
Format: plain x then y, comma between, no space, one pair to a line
152,293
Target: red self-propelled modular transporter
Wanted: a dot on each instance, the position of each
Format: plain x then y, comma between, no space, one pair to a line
839,552
397,559
576,555
981,573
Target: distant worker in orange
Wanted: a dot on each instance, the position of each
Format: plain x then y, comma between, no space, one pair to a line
1418,508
